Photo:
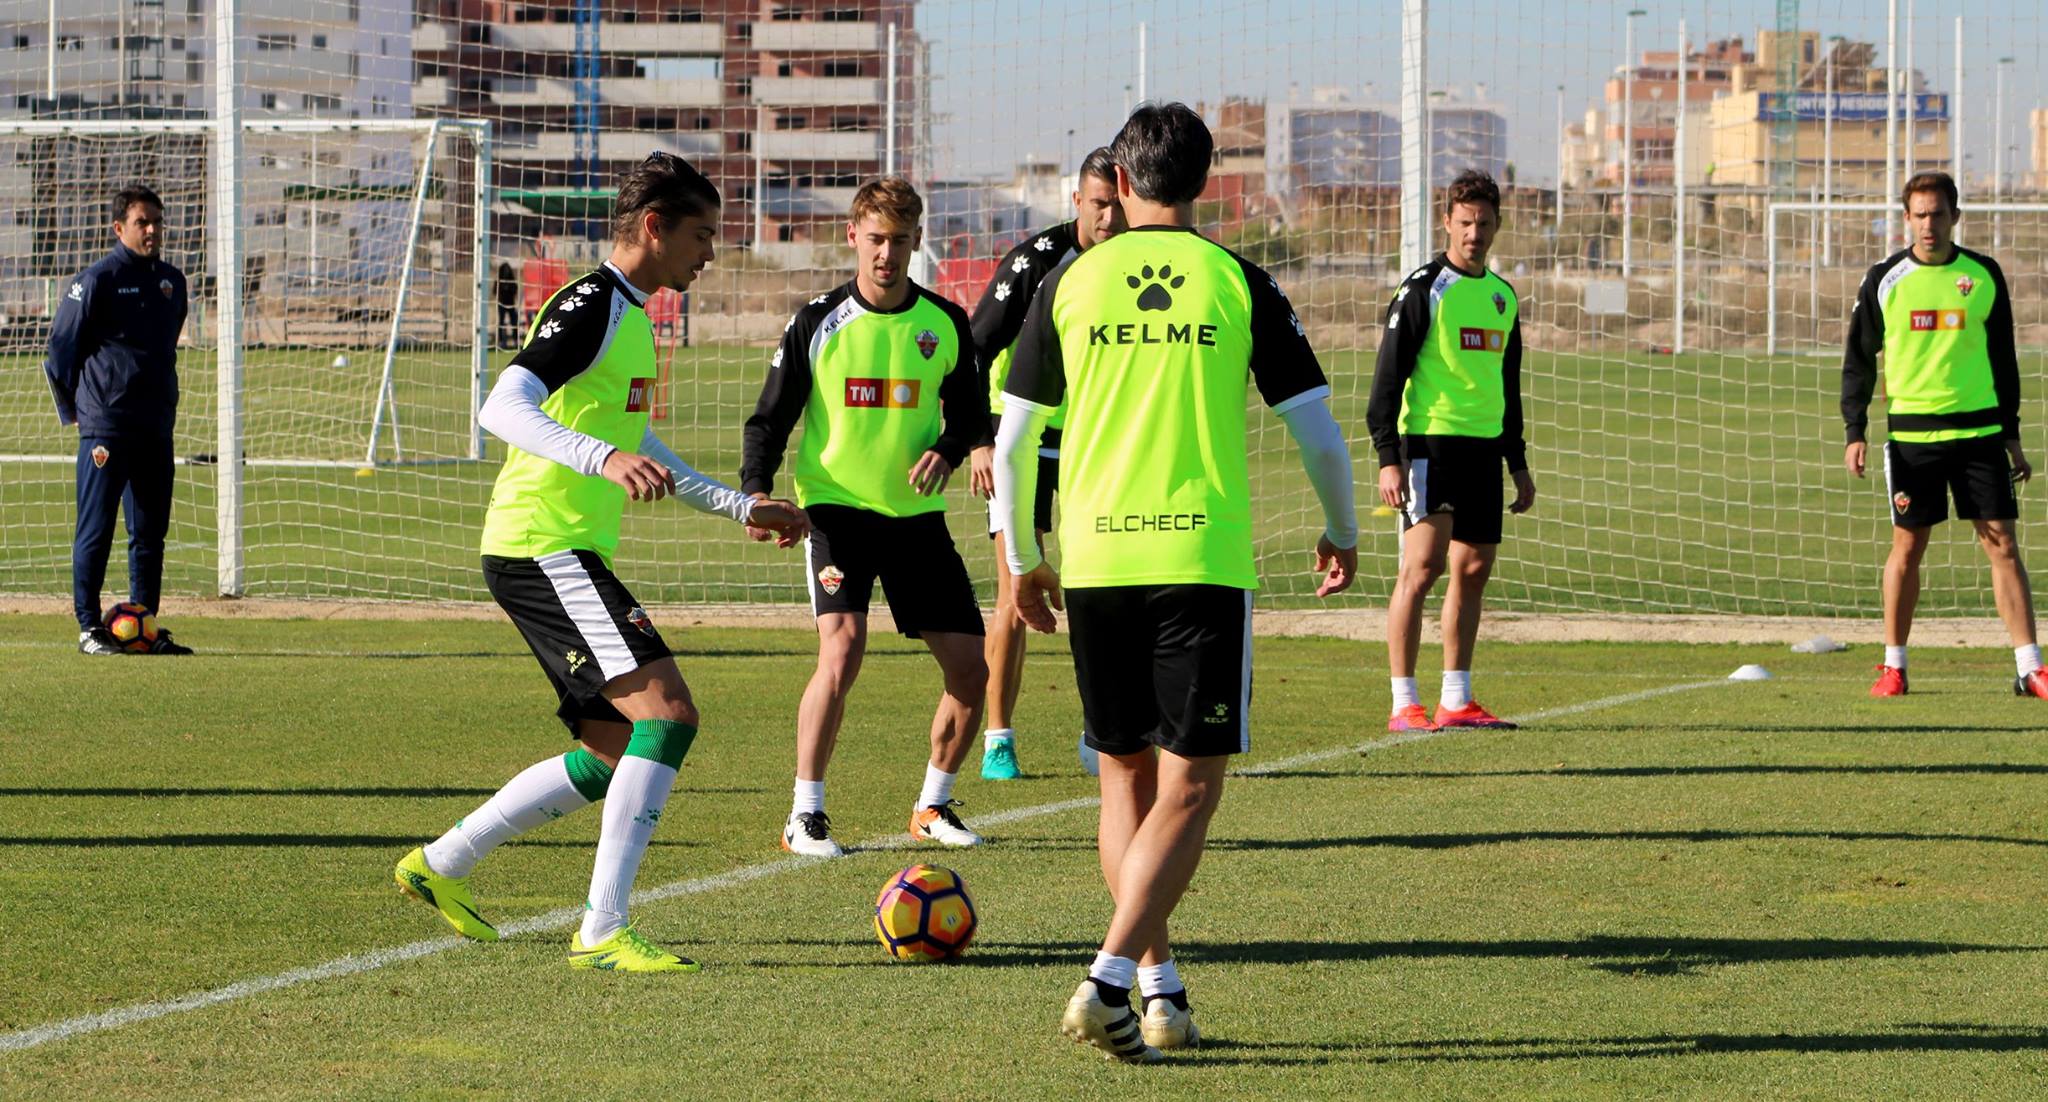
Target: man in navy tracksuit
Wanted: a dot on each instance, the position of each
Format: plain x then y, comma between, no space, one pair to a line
113,371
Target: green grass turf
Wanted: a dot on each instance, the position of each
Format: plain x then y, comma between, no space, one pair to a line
1706,482
1781,890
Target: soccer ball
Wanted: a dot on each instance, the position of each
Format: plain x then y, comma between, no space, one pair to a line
924,913
1091,762
132,625
340,361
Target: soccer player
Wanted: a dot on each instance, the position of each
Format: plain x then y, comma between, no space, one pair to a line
998,317
1941,315
1149,339
573,406
113,370
1445,410
885,378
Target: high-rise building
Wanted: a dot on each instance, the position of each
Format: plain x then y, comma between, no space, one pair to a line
784,105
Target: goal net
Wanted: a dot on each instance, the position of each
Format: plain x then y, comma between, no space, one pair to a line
417,176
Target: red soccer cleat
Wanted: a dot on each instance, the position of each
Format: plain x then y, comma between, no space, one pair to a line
1471,715
1891,681
2033,684
1410,718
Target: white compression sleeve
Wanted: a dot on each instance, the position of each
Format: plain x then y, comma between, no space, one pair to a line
1017,479
512,413
1328,461
699,492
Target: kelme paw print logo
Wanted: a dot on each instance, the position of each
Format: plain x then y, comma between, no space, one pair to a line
1155,295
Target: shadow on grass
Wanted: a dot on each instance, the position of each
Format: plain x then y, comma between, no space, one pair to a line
1933,769
320,791
401,842
1504,837
1625,955
1909,1037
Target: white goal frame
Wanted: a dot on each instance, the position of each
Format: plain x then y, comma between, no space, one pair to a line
226,245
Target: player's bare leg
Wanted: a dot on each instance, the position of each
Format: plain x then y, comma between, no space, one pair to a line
2014,594
1160,860
1004,653
1130,785
1902,582
1901,597
842,643
954,723
1469,567
2010,587
1424,549
1006,642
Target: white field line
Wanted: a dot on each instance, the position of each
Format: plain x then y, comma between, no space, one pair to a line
563,917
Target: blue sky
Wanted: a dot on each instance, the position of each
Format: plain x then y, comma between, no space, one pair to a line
1015,75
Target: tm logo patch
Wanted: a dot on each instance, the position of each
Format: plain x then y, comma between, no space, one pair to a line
1481,340
640,395
882,393
1937,321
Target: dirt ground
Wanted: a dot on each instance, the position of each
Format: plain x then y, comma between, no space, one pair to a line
1365,625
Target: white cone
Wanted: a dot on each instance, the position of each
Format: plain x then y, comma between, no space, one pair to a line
1751,672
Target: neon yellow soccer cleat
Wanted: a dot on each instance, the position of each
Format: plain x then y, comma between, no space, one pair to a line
445,894
626,951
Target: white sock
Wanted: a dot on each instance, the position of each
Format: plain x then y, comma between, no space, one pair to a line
1457,689
1159,979
2027,658
999,734
540,794
1405,693
639,793
938,787
810,796
1114,971
1895,657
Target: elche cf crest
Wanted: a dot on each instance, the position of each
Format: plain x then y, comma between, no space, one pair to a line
164,285
830,579
1500,304
927,343
1964,285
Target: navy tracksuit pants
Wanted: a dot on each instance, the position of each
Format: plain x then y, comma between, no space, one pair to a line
117,471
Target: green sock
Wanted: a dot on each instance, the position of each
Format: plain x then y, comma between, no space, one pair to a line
588,772
661,740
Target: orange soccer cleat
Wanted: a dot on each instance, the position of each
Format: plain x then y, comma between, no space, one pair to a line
1891,681
1410,717
1471,715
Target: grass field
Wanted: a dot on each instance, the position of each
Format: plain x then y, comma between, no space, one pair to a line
1696,483
1666,885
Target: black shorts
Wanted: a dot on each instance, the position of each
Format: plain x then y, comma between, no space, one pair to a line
581,624
1459,475
1920,477
923,577
1164,665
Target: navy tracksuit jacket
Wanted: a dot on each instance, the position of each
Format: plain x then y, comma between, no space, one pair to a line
113,371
